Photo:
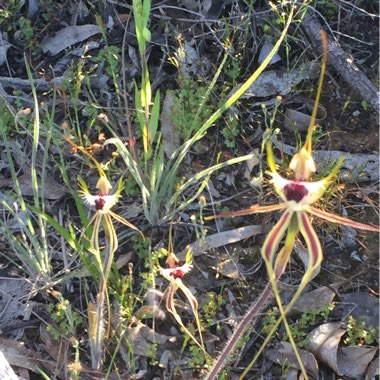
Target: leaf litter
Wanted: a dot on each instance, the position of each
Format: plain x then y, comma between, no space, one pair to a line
273,83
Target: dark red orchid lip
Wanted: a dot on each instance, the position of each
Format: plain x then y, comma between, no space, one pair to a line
295,192
99,203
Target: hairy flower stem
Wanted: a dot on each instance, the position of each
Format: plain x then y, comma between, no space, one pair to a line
97,340
260,304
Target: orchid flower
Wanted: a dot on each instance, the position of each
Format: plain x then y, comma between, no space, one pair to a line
174,273
297,198
103,202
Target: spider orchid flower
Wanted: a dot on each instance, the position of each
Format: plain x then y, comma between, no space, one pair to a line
174,273
298,195
103,202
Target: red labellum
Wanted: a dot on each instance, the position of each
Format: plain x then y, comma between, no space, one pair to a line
295,192
177,273
99,203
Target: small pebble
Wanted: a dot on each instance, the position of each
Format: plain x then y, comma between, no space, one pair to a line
356,113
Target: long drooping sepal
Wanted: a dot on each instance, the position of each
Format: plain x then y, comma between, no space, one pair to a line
255,209
274,274
95,232
312,242
170,306
194,307
126,223
282,258
111,245
340,219
274,237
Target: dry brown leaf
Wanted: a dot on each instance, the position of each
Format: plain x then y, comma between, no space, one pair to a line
6,371
14,293
353,361
170,133
18,355
324,342
68,36
313,300
53,189
362,305
222,238
141,338
283,353
373,369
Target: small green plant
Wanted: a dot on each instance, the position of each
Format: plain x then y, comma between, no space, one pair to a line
358,333
211,306
151,352
364,105
188,99
67,319
231,130
302,326
157,178
197,358
25,32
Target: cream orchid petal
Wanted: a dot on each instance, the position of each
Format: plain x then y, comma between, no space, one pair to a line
103,185
171,274
300,192
109,201
302,165
89,199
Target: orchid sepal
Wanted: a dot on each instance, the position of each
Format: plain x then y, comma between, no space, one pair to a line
340,219
312,242
254,209
274,237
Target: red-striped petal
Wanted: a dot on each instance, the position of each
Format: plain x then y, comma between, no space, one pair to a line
311,239
275,235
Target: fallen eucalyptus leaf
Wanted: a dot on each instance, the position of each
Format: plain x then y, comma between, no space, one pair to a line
141,337
279,82
13,305
314,300
229,268
324,341
171,138
6,371
299,119
222,238
264,52
68,36
52,190
18,355
353,361
283,353
373,369
362,305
